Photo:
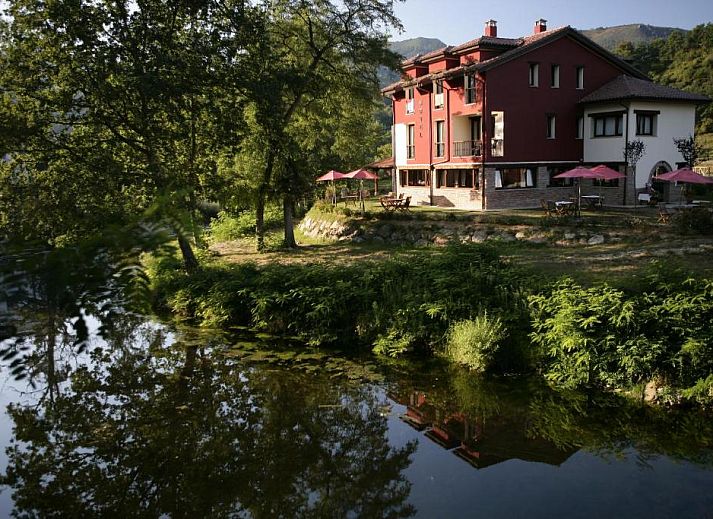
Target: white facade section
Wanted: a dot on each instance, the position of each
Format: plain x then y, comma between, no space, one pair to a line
460,129
672,120
400,144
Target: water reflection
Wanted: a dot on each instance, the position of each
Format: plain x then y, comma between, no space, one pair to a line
179,430
489,421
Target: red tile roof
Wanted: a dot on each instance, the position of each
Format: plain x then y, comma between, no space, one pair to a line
519,46
627,87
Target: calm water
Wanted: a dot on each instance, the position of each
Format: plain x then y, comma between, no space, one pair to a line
150,421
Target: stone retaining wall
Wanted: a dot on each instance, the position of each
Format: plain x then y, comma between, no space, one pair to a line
421,233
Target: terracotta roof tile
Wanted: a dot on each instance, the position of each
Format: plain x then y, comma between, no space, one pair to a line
627,87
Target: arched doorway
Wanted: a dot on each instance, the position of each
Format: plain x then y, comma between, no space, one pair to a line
663,189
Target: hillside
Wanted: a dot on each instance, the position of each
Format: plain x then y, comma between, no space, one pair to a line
611,37
408,48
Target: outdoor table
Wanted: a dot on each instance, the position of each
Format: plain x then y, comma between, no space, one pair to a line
350,198
593,201
701,202
565,206
391,204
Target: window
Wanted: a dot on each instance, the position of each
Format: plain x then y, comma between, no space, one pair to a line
646,123
609,125
457,178
514,178
411,148
534,74
414,177
599,182
555,76
409,101
553,171
580,127
440,146
580,78
469,89
475,128
438,94
551,126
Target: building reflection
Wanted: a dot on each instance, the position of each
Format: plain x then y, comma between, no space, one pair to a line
480,440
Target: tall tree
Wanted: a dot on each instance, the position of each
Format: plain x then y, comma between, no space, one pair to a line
138,93
311,48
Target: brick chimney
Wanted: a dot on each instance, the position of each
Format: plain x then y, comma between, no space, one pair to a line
491,29
540,26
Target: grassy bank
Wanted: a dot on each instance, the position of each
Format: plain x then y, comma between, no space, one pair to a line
633,313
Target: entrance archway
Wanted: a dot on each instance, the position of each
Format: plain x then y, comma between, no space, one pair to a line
662,188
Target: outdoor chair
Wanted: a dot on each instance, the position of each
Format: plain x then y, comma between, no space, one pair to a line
664,214
556,210
643,198
405,206
546,207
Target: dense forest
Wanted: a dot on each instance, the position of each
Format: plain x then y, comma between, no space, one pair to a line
112,112
683,60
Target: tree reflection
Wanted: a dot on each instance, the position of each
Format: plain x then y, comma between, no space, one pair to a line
182,431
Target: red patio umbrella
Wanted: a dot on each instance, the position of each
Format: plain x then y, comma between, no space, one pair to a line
607,173
685,176
579,172
331,175
363,174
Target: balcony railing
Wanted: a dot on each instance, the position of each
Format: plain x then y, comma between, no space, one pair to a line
410,106
439,149
410,151
467,149
438,100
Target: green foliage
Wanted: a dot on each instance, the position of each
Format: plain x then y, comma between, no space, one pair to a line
601,336
681,61
398,305
227,227
475,342
697,220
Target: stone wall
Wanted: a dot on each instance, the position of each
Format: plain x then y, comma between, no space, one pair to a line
531,196
423,233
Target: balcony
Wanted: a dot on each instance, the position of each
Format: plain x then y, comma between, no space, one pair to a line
439,149
467,148
410,151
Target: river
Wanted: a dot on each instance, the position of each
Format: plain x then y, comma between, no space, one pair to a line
143,419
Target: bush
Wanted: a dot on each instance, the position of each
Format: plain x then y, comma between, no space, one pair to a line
697,220
474,342
226,227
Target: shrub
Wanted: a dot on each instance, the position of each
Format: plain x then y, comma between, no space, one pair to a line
226,227
475,342
697,220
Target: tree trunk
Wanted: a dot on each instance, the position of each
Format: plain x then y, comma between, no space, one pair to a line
261,199
190,262
287,205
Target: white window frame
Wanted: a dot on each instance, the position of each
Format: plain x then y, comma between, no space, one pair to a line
534,75
551,126
555,76
580,77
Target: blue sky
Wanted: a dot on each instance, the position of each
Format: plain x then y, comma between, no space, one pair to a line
456,21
